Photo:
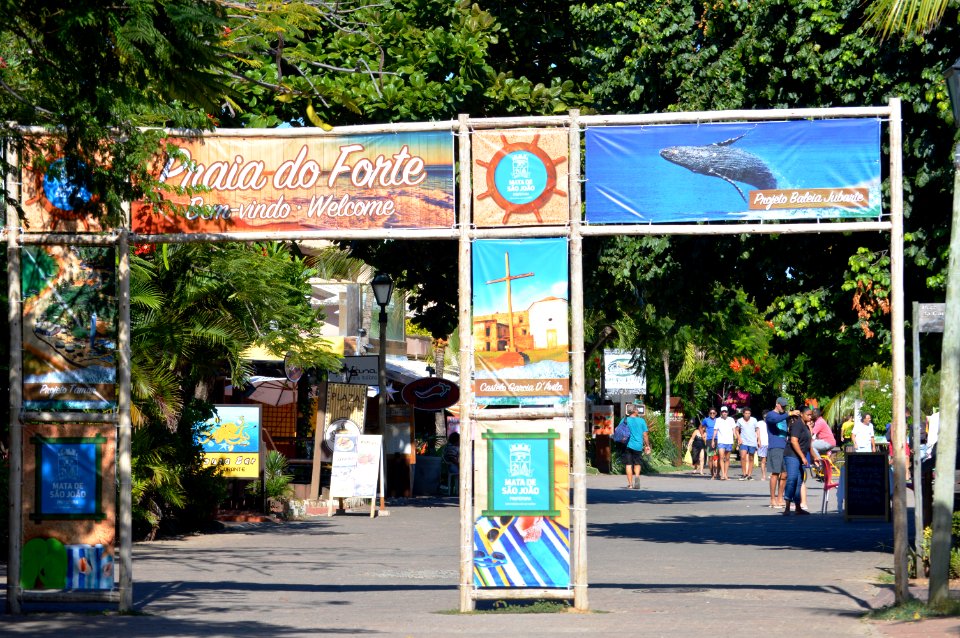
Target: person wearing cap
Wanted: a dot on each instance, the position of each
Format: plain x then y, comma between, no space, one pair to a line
724,431
776,420
637,444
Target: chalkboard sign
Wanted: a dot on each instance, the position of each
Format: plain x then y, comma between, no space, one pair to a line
867,486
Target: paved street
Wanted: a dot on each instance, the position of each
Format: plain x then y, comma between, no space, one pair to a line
681,556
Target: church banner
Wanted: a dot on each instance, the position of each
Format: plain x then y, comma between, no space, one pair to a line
520,177
267,183
521,535
521,336
69,328
802,169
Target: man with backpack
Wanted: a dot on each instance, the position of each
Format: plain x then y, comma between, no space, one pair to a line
637,443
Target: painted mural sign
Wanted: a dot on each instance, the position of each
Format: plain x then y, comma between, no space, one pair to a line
802,169
250,183
69,328
520,321
69,506
520,177
522,504
231,440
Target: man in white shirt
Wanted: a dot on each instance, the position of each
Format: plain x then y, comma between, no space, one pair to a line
724,432
863,435
747,435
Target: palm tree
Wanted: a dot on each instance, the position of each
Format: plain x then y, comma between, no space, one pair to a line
906,17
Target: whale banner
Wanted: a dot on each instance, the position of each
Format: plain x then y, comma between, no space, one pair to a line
806,169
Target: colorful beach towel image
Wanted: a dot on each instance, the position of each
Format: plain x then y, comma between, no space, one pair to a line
521,551
805,169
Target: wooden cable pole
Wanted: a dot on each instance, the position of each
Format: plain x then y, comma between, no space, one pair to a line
15,322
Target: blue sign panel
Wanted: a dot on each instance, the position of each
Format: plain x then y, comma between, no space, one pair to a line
69,477
733,172
520,473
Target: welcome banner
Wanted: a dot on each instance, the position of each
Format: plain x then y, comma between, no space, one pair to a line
261,183
521,535
520,327
731,172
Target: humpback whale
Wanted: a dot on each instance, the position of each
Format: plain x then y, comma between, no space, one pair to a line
720,160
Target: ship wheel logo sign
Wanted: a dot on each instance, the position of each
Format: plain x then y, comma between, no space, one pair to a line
521,178
63,197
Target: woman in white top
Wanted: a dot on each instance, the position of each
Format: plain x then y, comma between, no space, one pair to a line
763,438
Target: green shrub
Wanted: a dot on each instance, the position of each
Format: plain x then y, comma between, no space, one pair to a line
278,478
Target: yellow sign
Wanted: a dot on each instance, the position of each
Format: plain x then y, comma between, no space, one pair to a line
234,465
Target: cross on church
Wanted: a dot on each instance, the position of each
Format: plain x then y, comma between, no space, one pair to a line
508,278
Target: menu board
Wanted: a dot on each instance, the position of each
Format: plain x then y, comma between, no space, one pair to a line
356,465
867,486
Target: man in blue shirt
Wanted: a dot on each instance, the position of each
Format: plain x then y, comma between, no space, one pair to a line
777,429
710,421
638,443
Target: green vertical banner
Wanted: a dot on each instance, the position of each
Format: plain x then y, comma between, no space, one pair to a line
521,535
521,330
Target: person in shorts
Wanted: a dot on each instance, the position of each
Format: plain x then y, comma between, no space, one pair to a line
724,433
776,420
762,440
747,436
637,444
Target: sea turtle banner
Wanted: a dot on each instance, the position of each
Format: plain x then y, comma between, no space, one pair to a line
521,334
808,169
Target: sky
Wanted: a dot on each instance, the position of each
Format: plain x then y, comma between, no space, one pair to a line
545,258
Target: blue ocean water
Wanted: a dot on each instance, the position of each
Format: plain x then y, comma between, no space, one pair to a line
629,182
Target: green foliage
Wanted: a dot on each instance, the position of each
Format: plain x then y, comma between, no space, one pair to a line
155,482
277,479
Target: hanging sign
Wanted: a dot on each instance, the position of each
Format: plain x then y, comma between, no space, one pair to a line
522,504
619,373
521,335
257,183
361,370
520,177
431,393
231,440
69,328
803,169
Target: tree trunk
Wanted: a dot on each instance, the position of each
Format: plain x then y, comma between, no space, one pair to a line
666,385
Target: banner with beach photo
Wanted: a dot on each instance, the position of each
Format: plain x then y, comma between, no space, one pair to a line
521,513
521,335
69,328
254,183
804,169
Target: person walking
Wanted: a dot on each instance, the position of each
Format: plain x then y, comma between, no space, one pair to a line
747,436
697,446
763,439
724,432
863,435
710,421
795,458
637,444
776,420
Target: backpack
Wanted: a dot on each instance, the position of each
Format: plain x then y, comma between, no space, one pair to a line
622,433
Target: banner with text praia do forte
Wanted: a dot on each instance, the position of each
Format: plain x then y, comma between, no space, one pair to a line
253,183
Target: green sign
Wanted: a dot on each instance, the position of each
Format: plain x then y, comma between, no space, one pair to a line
520,474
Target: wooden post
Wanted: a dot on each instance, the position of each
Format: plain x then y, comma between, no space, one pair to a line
943,484
578,509
15,320
898,427
315,475
917,462
125,431
466,372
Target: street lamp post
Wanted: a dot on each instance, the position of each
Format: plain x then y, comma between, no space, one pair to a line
382,291
949,379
